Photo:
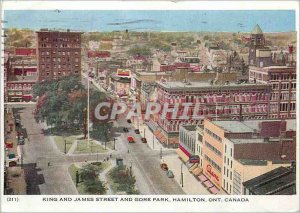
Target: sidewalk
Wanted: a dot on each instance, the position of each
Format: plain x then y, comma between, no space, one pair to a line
152,141
191,185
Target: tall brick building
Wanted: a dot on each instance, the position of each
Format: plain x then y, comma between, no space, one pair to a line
58,53
259,54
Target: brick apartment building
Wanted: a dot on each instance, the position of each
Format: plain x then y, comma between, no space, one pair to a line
58,53
227,101
283,81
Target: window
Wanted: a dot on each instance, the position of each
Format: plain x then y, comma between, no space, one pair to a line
231,152
230,175
231,164
225,148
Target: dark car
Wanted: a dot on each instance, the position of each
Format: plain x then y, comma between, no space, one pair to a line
21,141
144,140
125,129
129,121
137,131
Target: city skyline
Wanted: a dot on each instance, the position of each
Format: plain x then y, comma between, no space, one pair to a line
163,20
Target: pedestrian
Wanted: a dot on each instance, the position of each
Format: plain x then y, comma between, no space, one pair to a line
128,151
104,160
110,155
48,163
107,158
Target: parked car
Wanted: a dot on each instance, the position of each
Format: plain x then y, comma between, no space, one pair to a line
21,141
170,174
125,129
130,139
137,131
164,166
144,140
129,121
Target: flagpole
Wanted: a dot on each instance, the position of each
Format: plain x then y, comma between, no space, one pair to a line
88,112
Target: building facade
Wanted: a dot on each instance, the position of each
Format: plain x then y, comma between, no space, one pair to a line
58,53
283,95
206,100
259,54
237,151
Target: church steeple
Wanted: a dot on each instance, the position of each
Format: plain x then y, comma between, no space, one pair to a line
257,36
257,30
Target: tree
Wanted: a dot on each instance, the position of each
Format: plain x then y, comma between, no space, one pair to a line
139,51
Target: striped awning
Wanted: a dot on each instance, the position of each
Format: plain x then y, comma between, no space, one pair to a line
202,178
173,141
197,171
193,167
213,190
182,155
208,184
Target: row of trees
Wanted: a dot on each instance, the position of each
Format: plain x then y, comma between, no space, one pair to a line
90,177
62,104
123,180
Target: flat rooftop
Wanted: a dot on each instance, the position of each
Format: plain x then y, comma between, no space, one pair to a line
203,84
190,127
278,181
249,126
256,140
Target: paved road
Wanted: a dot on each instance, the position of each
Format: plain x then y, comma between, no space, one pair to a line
145,164
43,179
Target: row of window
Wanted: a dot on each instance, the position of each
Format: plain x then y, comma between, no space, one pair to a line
48,59
58,73
59,53
228,189
226,150
284,86
213,163
212,148
283,77
228,161
227,175
213,135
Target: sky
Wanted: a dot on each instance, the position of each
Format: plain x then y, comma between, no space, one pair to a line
153,20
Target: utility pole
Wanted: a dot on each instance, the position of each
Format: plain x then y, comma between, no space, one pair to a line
130,169
160,152
65,146
114,143
153,139
181,176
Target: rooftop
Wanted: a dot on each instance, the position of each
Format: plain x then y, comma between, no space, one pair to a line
189,127
202,84
278,181
249,126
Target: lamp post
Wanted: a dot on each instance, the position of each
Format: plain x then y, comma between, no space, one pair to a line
181,175
153,140
130,169
160,152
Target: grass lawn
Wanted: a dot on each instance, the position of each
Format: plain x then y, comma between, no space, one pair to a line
72,170
60,143
83,147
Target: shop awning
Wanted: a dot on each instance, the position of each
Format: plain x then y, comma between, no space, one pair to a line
213,190
163,139
156,132
208,184
197,171
181,154
194,166
202,178
173,141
